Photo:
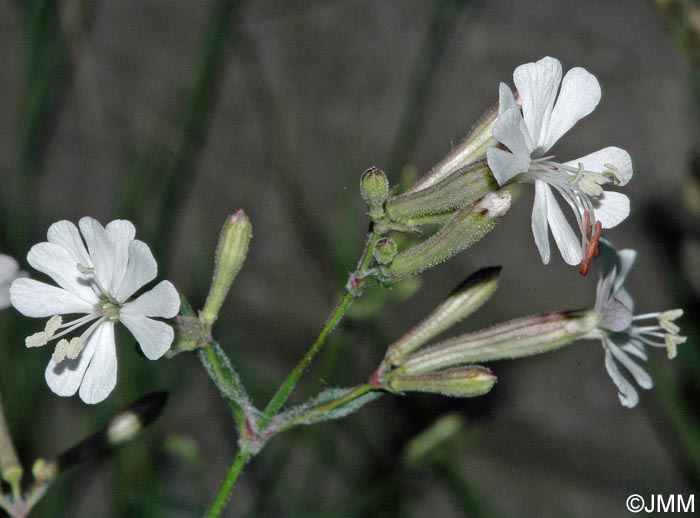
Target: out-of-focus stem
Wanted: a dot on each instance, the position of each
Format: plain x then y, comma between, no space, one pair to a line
10,468
224,492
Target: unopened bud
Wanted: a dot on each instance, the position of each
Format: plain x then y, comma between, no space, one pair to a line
471,150
468,381
462,302
230,254
459,233
43,470
459,189
518,338
374,187
385,250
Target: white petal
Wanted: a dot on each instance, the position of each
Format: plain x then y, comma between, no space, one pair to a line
101,375
141,269
153,336
507,130
610,155
60,264
611,208
640,375
626,259
616,317
65,378
65,234
540,229
36,299
566,240
121,233
506,101
101,250
8,269
579,95
537,85
162,301
505,165
625,299
626,391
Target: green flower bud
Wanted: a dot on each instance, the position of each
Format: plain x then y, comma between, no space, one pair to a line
462,302
374,187
385,250
518,338
230,254
468,381
472,149
458,190
462,231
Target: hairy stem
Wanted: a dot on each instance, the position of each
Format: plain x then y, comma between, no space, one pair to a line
224,492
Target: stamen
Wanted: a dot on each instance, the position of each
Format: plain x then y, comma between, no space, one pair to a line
672,341
591,248
37,339
53,325
74,347
59,353
579,174
613,172
86,270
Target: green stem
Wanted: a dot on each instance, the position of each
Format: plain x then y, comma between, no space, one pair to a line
226,380
328,406
224,492
352,290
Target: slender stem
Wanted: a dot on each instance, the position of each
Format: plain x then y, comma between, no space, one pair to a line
328,406
224,492
10,468
352,290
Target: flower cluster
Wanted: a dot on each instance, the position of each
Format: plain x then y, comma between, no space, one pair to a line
97,279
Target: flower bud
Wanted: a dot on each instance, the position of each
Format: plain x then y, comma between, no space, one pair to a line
472,149
468,381
462,302
461,188
515,339
462,231
385,250
374,187
230,254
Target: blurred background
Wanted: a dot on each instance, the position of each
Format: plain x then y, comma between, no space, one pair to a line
175,114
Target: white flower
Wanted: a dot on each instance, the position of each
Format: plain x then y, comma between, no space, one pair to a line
9,271
530,132
96,281
622,333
